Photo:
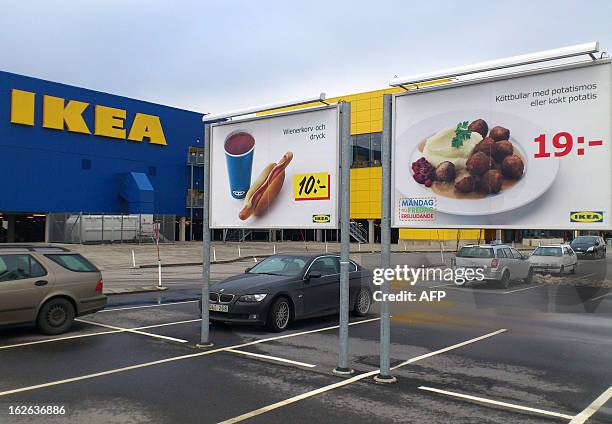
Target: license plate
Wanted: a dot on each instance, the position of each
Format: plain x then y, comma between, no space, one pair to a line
218,308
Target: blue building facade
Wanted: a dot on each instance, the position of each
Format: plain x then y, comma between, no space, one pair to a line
69,149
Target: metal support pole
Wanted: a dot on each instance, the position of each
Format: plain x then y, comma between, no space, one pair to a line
385,243
205,336
191,205
345,175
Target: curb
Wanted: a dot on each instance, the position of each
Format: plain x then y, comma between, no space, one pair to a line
144,289
265,255
222,261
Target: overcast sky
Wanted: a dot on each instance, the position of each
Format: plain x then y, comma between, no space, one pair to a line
214,56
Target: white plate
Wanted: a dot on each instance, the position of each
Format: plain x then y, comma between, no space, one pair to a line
218,308
538,176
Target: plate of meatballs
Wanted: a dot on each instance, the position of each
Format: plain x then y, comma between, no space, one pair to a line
479,166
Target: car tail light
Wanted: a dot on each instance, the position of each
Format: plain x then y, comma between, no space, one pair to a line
99,286
494,263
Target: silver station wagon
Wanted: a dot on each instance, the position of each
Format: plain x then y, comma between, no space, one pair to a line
500,263
47,285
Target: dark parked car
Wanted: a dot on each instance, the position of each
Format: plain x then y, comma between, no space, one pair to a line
593,246
285,288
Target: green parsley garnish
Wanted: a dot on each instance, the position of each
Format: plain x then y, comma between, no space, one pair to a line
461,133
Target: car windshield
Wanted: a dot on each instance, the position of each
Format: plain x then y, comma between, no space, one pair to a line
584,240
547,251
290,266
475,252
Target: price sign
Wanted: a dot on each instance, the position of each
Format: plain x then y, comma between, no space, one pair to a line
311,186
563,143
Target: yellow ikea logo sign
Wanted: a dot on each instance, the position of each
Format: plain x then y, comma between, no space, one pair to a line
586,217
320,218
109,121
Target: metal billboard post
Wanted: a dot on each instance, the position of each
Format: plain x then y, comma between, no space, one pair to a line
345,175
205,331
385,243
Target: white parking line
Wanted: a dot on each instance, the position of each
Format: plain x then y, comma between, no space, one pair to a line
600,297
128,330
157,305
593,407
351,380
100,333
446,349
497,403
271,358
174,358
524,288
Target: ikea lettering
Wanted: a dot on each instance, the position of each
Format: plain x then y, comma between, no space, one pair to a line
108,121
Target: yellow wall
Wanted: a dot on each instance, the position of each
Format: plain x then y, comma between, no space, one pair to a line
442,234
366,108
366,193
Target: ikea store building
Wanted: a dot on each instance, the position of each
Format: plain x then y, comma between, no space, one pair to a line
81,166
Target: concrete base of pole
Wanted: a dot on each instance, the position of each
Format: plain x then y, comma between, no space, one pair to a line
204,345
343,372
384,379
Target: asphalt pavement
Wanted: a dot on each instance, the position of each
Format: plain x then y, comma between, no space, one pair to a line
531,353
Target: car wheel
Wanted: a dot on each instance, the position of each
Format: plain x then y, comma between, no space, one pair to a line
505,280
529,278
279,315
573,271
363,303
56,316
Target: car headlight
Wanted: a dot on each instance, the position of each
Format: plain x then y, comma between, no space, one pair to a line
590,249
252,297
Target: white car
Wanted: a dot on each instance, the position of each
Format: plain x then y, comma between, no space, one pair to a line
558,258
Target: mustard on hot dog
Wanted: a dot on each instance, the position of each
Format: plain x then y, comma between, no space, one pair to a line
265,189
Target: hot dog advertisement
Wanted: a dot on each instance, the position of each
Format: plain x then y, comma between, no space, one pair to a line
276,171
528,151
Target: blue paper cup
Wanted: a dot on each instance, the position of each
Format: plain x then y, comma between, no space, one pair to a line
239,147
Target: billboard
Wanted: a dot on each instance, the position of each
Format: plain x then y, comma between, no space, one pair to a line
529,151
276,171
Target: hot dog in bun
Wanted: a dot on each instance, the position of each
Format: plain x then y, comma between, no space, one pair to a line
264,190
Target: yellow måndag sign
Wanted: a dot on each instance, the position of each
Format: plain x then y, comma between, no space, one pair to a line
61,115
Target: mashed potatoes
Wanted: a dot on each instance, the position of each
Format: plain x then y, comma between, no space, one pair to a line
438,148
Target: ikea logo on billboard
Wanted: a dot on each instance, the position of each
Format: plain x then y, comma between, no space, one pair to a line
321,218
108,121
586,217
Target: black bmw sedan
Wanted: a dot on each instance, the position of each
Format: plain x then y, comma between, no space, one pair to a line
285,288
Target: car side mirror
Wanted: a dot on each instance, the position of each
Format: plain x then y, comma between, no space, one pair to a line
312,275
246,271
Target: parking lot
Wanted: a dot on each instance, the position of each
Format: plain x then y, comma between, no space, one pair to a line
531,353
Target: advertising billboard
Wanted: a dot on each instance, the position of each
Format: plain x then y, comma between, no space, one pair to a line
276,171
529,151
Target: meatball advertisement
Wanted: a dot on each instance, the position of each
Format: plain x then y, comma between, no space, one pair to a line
528,151
276,171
